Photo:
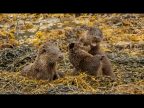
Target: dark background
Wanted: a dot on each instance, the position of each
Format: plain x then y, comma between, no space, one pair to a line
73,6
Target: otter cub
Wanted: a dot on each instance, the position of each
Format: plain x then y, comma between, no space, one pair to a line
83,61
44,66
106,64
94,38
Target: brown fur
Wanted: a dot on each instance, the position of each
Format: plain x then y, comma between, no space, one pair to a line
44,66
94,42
91,35
92,65
106,64
83,61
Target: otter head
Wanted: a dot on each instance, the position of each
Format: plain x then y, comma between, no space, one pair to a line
51,52
94,36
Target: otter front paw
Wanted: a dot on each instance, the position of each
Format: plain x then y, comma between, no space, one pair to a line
75,72
58,75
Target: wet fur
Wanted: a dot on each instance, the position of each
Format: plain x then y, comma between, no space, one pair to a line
44,66
82,61
94,41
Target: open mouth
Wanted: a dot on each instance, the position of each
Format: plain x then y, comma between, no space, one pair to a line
93,44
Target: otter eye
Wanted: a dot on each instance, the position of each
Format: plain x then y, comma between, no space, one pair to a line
71,45
60,49
53,54
85,44
81,40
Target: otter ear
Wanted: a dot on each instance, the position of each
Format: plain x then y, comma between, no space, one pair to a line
71,45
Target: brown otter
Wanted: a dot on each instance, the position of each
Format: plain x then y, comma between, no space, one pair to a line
83,61
44,66
94,38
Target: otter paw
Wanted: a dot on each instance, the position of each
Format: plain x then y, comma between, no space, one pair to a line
58,75
75,72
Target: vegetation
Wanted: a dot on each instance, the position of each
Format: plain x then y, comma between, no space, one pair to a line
22,34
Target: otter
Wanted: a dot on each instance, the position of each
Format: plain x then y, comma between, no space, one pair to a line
94,37
44,66
83,61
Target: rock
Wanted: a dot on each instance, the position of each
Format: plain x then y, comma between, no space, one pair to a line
125,59
122,45
63,89
33,30
12,59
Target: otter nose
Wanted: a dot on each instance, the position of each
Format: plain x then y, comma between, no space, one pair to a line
102,57
61,56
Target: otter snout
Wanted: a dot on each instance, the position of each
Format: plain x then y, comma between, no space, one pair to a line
60,57
102,57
